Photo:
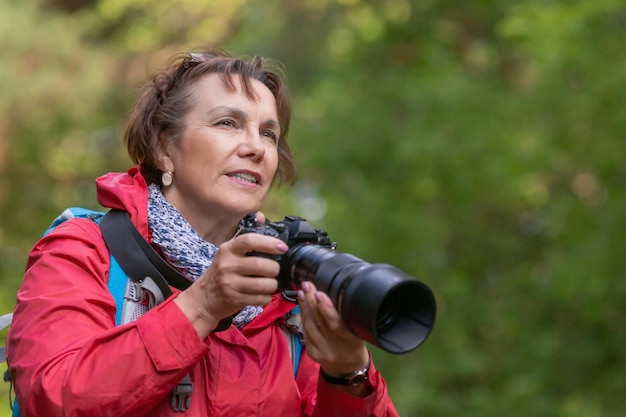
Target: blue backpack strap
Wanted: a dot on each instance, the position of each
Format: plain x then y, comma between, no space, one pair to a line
297,344
117,287
16,410
74,212
291,325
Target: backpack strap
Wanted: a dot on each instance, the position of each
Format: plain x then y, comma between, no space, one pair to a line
144,266
132,252
117,283
293,332
291,325
74,212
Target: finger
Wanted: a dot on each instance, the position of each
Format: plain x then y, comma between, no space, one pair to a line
309,301
260,217
320,341
324,306
323,313
238,292
252,242
255,285
257,266
255,300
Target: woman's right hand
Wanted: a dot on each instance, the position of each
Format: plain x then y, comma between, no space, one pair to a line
233,281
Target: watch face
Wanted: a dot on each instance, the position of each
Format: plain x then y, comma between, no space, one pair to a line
354,379
358,379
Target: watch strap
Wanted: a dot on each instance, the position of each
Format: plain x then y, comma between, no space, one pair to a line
354,379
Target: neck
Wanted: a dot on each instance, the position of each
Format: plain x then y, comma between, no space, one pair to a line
211,226
217,233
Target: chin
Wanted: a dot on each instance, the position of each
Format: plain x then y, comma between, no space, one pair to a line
240,212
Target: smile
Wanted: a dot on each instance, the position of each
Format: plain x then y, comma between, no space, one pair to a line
245,177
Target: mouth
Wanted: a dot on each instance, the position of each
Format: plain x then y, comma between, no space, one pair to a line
246,177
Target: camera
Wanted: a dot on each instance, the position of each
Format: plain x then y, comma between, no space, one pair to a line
378,303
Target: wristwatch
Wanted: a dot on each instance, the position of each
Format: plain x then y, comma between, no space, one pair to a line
353,379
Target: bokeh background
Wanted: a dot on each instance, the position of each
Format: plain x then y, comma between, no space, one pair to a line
477,145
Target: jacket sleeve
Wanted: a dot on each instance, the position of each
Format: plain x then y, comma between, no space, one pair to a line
320,399
67,357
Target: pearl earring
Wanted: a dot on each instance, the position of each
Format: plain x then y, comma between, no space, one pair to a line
166,178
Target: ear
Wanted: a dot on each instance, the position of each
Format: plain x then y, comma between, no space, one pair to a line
166,161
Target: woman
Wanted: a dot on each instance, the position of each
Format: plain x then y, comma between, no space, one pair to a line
208,137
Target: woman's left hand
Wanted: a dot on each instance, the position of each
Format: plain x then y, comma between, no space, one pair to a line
328,340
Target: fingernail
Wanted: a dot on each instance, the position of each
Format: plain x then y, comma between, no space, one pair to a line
300,296
282,247
306,287
318,296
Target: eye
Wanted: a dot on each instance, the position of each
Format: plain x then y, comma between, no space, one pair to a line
270,134
226,123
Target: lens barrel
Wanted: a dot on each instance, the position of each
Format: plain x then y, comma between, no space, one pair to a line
378,302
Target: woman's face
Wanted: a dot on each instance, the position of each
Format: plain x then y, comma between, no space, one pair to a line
225,161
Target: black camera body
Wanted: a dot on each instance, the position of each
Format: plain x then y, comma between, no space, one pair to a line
377,302
295,232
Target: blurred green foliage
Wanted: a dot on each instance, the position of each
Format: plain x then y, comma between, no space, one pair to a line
476,145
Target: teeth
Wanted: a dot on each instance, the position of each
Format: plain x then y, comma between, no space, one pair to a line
245,177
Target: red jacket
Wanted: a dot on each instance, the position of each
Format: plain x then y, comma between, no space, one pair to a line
68,358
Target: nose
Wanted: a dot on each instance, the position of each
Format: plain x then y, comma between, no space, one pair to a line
252,145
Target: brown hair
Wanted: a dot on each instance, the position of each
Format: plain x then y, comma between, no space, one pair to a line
158,116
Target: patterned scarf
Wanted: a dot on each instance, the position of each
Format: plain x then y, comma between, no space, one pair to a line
183,247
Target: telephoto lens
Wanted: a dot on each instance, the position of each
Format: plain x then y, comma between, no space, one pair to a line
378,302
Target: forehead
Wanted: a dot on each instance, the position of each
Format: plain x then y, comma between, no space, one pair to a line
218,88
